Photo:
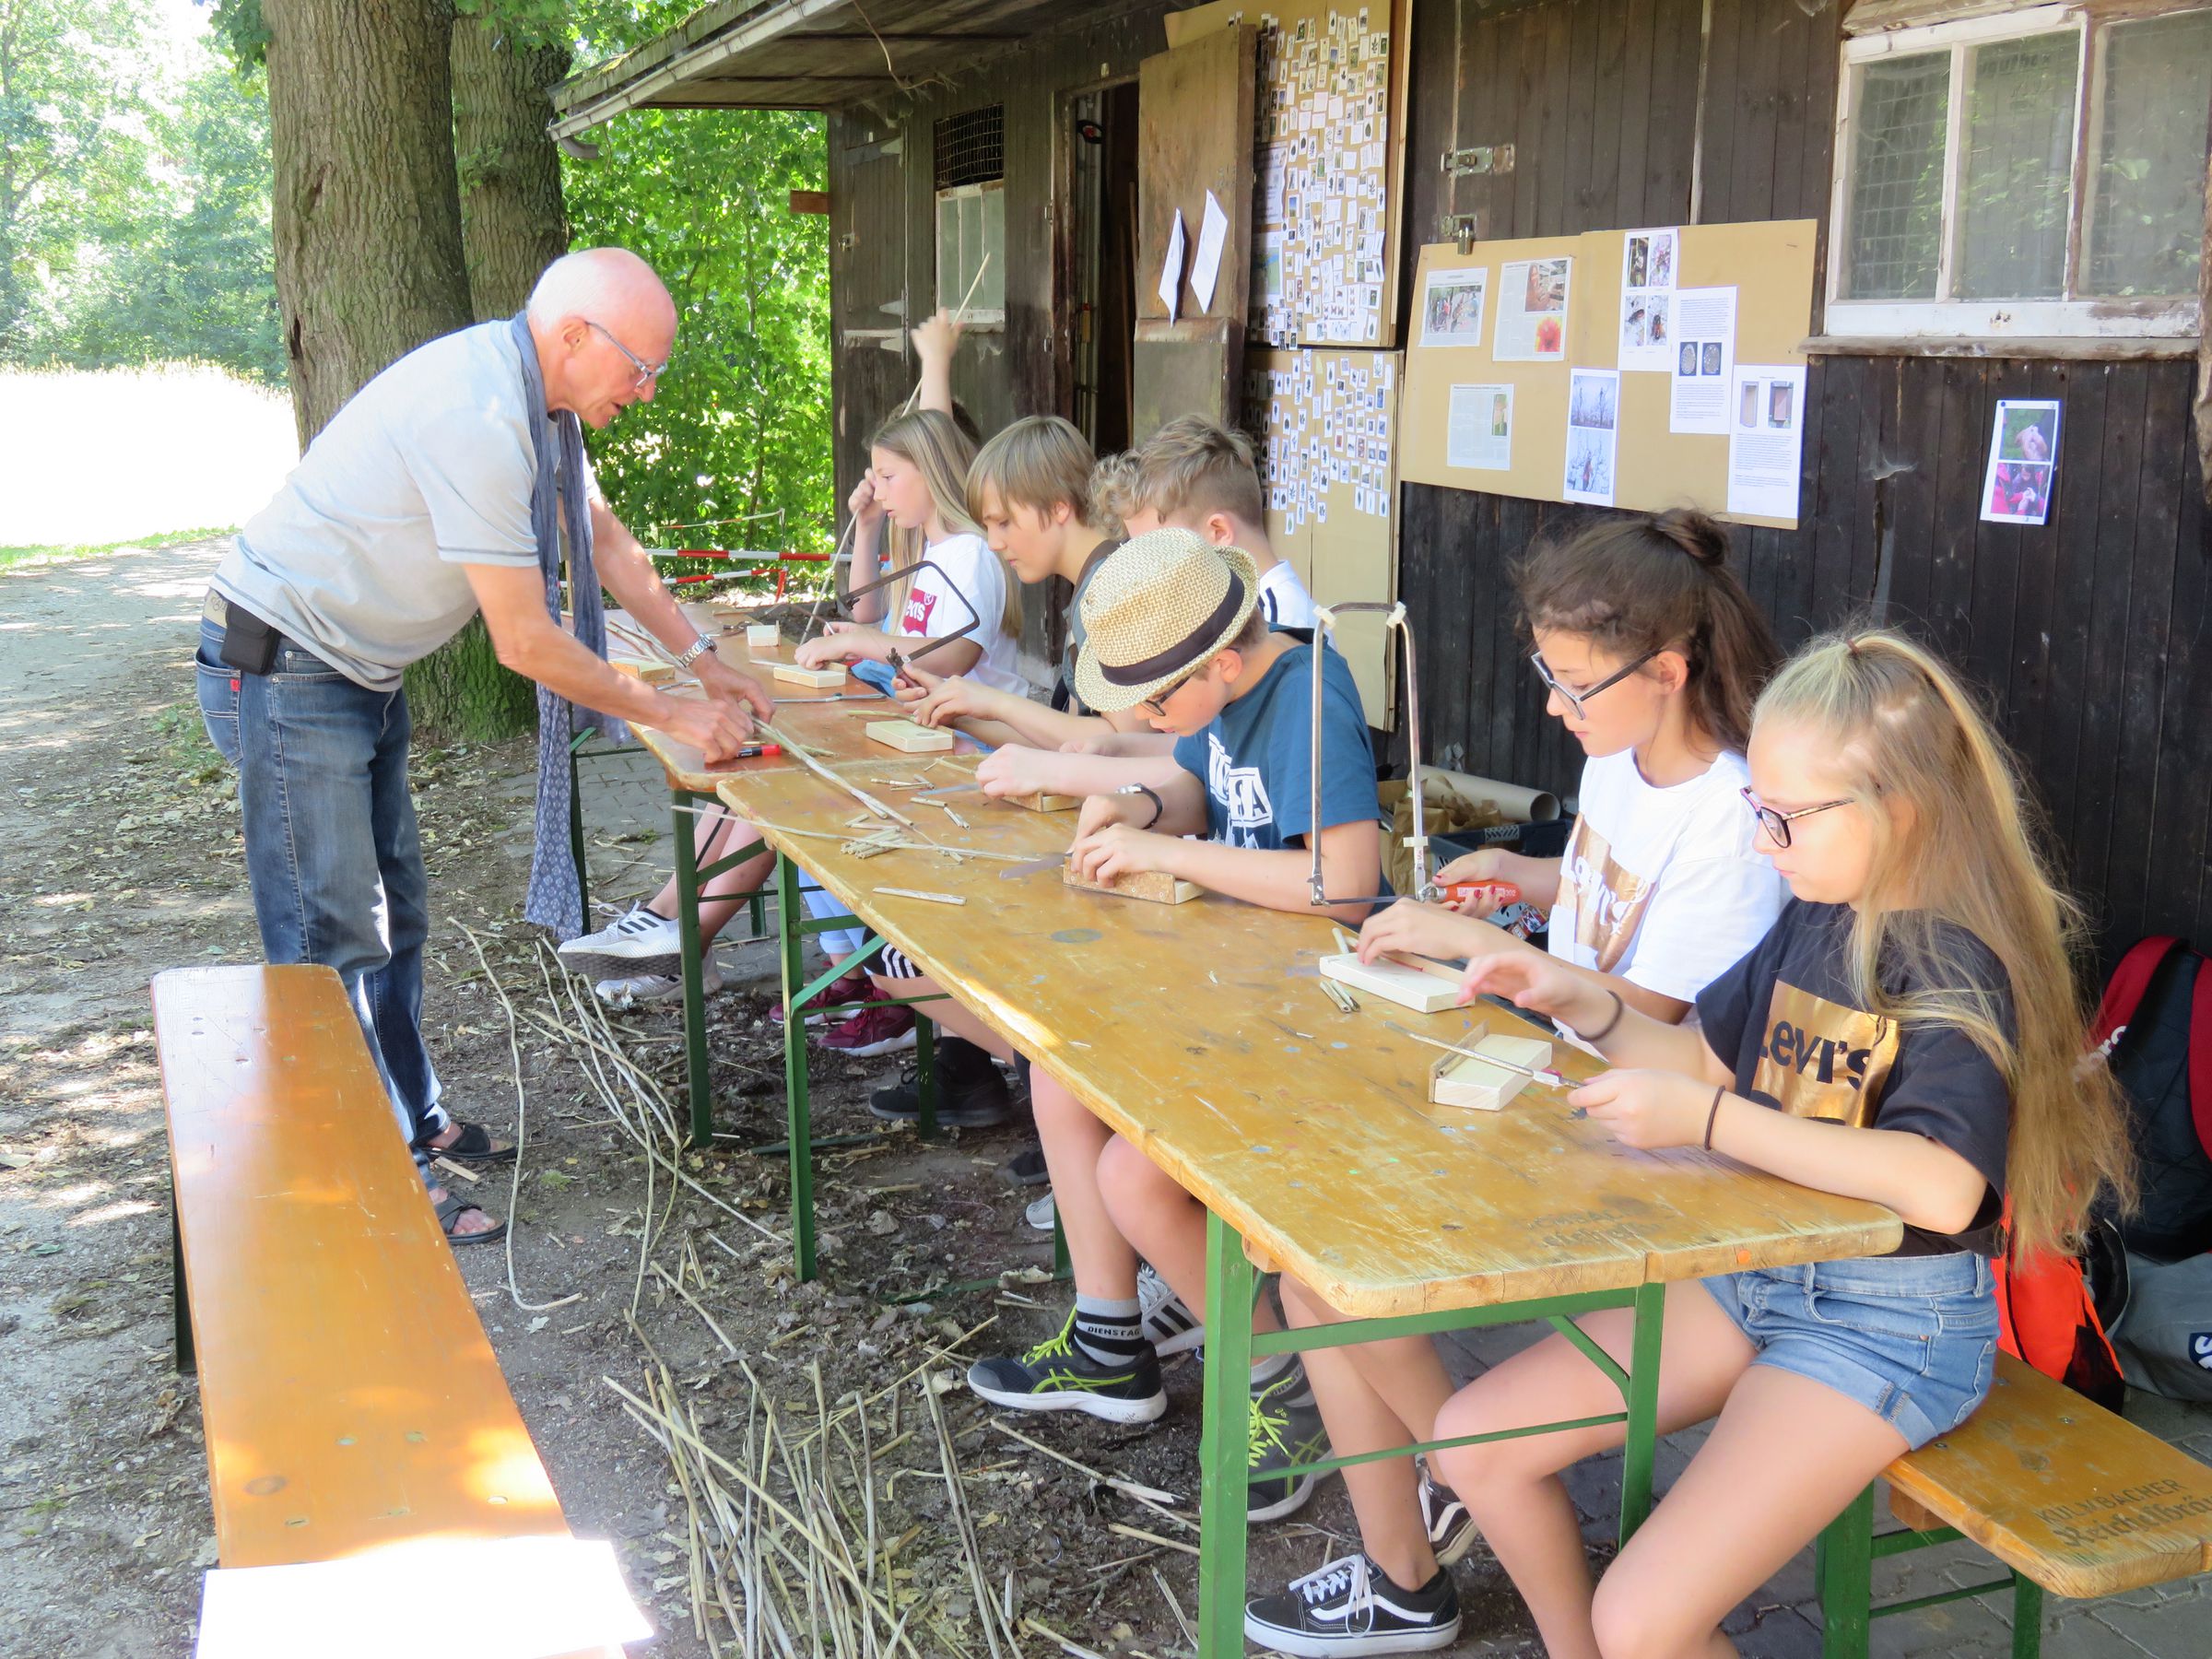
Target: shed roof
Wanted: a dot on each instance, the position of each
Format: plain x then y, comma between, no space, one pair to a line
800,54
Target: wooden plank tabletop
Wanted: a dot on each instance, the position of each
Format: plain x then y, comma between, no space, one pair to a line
350,1396
1199,1031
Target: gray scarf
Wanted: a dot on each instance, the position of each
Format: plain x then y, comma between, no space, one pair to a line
559,495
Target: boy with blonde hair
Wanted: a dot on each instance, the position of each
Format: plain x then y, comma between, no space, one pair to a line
1192,475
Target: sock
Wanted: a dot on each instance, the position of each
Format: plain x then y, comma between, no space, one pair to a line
1106,1327
1265,1372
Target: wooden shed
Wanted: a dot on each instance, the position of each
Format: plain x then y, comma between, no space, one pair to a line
2007,202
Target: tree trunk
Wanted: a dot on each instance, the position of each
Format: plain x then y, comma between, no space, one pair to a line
461,694
511,222
366,209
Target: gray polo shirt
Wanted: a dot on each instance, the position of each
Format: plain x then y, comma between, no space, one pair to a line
430,467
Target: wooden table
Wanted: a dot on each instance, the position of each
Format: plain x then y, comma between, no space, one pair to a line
1198,1032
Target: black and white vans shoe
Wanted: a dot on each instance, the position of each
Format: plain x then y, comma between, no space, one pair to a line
1351,1607
1452,1531
1166,1319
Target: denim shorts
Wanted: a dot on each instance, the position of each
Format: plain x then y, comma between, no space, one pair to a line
1911,1338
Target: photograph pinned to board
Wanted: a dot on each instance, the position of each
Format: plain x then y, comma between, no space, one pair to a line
1702,362
1648,262
1271,264
1275,166
1453,305
2023,462
1766,440
1593,427
1479,432
1532,310
1205,268
1170,270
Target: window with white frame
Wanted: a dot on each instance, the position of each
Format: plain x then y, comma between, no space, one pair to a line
2037,172
971,215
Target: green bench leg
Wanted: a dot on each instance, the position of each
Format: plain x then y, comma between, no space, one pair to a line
798,1111
2026,1618
698,1078
1843,1576
926,1074
180,1300
1224,1443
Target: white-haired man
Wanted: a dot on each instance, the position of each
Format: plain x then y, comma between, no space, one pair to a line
436,492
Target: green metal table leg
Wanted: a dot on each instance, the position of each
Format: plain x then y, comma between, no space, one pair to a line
1063,1269
697,1075
584,873
1224,1445
798,1114
180,1302
926,1074
1641,1448
2026,1618
1843,1576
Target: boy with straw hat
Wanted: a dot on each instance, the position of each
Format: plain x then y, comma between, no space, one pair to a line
1173,630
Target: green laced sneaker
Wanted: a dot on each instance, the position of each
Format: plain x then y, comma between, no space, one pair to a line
1058,1376
1283,1430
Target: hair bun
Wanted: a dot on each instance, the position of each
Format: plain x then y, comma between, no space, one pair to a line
1695,532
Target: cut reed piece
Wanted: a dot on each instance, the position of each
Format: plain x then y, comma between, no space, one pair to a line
821,680
1416,988
652,673
1154,885
763,636
1464,1080
907,737
917,893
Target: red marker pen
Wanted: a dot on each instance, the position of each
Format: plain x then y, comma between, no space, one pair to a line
757,750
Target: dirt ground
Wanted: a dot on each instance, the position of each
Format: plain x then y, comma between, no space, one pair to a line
123,858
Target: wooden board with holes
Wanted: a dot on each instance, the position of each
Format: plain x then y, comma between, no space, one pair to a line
821,680
1157,886
1195,1032
1408,987
1461,1081
909,738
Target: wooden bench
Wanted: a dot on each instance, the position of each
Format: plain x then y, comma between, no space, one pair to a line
350,1396
2070,1498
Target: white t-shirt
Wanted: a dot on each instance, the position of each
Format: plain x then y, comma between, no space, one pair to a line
428,468
1662,885
1283,597
933,610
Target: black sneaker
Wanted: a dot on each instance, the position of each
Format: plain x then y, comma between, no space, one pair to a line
1025,1169
1285,1430
1058,1376
1451,1529
970,1093
1351,1607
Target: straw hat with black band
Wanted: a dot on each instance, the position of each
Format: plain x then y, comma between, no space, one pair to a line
1161,605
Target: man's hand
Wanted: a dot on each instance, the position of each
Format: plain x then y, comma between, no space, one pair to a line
725,683
717,729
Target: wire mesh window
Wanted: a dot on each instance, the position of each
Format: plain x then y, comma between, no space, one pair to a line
2147,170
1897,179
971,147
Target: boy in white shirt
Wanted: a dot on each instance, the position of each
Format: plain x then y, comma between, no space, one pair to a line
1192,475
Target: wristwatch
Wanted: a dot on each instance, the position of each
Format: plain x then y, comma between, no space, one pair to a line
1158,805
699,647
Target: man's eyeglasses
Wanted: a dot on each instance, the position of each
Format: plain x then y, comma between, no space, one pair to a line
646,371
1577,699
1775,822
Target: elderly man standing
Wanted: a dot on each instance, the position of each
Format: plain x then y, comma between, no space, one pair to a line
446,486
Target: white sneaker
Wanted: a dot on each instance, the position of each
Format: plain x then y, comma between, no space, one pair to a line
633,989
1164,1317
1040,1213
639,943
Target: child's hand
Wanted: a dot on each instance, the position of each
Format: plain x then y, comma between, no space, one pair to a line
937,337
861,503
943,700
1423,929
1527,979
1116,849
1485,870
913,685
1014,769
1100,810
1648,1110
843,642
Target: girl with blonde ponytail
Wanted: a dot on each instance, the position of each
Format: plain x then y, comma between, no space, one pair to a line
1909,1032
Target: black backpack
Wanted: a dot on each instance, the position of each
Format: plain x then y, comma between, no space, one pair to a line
2156,1022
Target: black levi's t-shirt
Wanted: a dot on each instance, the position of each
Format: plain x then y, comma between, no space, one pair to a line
1801,1045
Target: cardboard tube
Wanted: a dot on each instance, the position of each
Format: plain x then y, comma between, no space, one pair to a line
1520,805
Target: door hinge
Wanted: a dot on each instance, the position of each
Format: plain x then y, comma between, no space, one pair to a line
1482,159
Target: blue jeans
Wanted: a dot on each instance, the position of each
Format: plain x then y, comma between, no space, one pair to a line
331,847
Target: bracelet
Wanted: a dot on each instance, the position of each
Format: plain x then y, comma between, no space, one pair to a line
1713,1116
1619,1009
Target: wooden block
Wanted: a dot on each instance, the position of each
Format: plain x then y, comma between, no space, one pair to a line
1393,981
821,680
652,673
907,737
1154,885
763,636
1457,1080
1049,803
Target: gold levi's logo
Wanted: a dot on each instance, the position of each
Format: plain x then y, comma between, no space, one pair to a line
1609,901
1818,1059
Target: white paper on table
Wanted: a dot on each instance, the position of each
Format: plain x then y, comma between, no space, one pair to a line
1532,310
1703,369
1213,230
526,1598
1479,430
1766,439
1592,430
1170,270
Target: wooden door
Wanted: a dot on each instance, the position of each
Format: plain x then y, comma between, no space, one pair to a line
1197,112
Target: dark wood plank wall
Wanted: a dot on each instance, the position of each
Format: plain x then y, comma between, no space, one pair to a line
2089,634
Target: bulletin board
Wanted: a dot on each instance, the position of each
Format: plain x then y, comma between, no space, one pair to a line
1767,263
1328,162
1325,423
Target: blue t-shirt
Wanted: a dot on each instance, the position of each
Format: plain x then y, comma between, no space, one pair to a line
1255,759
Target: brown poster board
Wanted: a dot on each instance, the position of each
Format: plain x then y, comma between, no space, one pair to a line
1770,265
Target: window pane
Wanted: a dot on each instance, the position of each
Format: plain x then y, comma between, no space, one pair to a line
1897,178
2147,228
990,240
2018,171
950,283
